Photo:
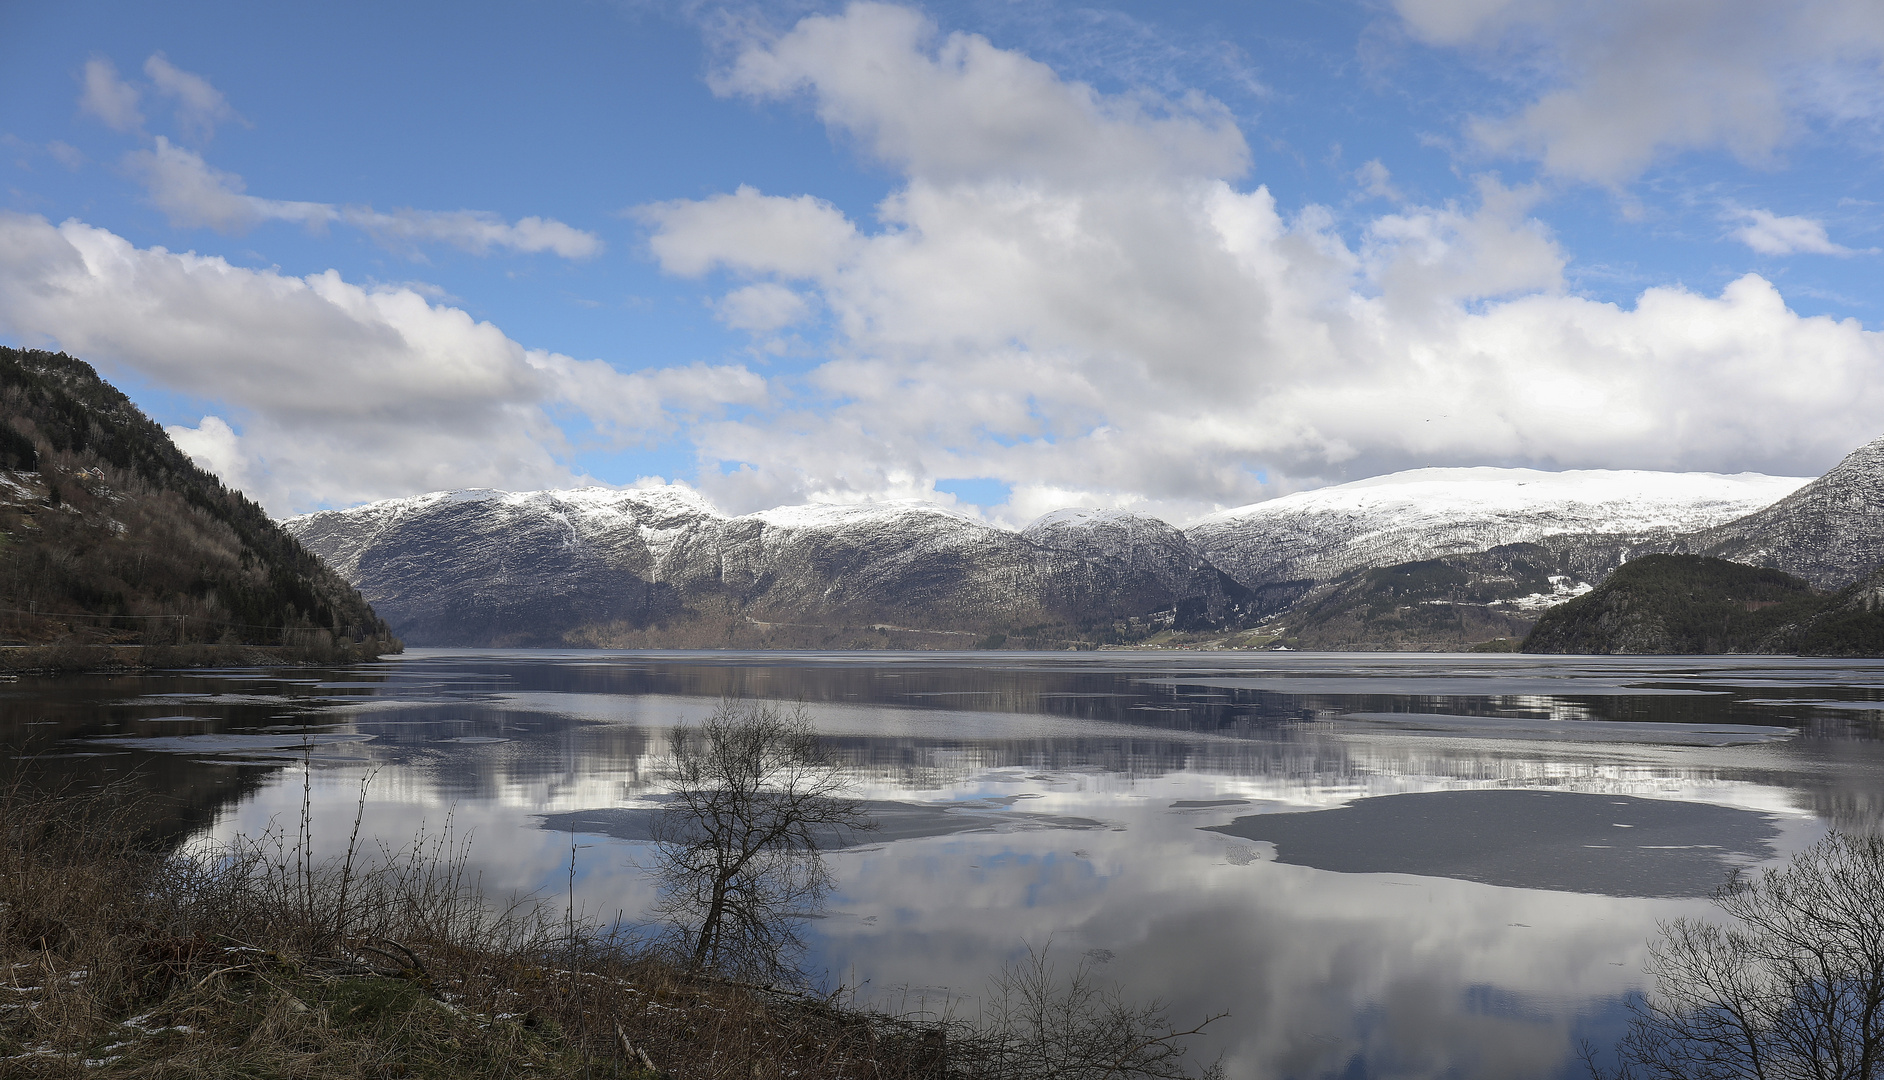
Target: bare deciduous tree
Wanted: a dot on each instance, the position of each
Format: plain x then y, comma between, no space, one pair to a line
755,801
1792,987
1036,1023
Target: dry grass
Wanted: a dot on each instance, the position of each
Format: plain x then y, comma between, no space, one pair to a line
119,961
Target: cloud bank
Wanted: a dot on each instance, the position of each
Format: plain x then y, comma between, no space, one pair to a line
341,393
1078,297
1070,293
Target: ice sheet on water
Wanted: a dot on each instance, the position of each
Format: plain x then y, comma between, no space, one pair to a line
1606,731
1435,686
1616,845
226,743
1820,703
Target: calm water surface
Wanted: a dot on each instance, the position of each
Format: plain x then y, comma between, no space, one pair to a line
1379,865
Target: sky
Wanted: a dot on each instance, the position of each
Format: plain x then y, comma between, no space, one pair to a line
1006,256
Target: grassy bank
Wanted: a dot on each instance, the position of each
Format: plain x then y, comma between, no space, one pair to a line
118,959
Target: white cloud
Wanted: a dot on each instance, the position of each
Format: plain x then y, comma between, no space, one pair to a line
340,393
1153,336
1615,84
1377,182
1072,293
749,233
192,193
763,308
66,154
200,106
960,107
474,231
1770,234
109,98
215,446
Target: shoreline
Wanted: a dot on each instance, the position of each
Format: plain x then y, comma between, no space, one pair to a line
71,658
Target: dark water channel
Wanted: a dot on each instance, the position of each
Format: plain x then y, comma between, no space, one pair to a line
1379,865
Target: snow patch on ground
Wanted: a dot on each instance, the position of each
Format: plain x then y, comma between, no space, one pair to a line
1562,588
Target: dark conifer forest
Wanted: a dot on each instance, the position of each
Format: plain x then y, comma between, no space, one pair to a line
111,535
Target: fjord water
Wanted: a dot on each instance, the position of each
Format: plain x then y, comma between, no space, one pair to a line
1378,865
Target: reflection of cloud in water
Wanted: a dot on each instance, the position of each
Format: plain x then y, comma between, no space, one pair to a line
1407,976
1315,969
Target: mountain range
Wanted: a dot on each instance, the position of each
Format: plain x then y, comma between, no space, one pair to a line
1420,559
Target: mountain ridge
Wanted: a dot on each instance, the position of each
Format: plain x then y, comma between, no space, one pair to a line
661,565
1827,532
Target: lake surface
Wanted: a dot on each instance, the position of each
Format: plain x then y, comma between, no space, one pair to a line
1399,865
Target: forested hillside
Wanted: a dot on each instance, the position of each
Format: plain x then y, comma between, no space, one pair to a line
110,535
1693,604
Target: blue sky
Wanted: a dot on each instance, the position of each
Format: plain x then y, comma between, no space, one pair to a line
1019,256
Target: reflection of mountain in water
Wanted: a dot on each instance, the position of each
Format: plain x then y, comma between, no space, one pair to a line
584,730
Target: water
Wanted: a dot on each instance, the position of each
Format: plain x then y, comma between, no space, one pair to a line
1378,865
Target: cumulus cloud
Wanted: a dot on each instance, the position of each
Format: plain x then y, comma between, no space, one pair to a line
763,308
1770,234
200,106
750,233
192,193
1100,318
1613,84
109,98
340,393
960,108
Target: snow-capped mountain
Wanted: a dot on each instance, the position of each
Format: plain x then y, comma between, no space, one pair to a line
1829,532
1428,513
661,566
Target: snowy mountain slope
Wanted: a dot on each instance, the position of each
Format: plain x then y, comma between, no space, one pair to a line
662,566
1428,513
1830,531
494,567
